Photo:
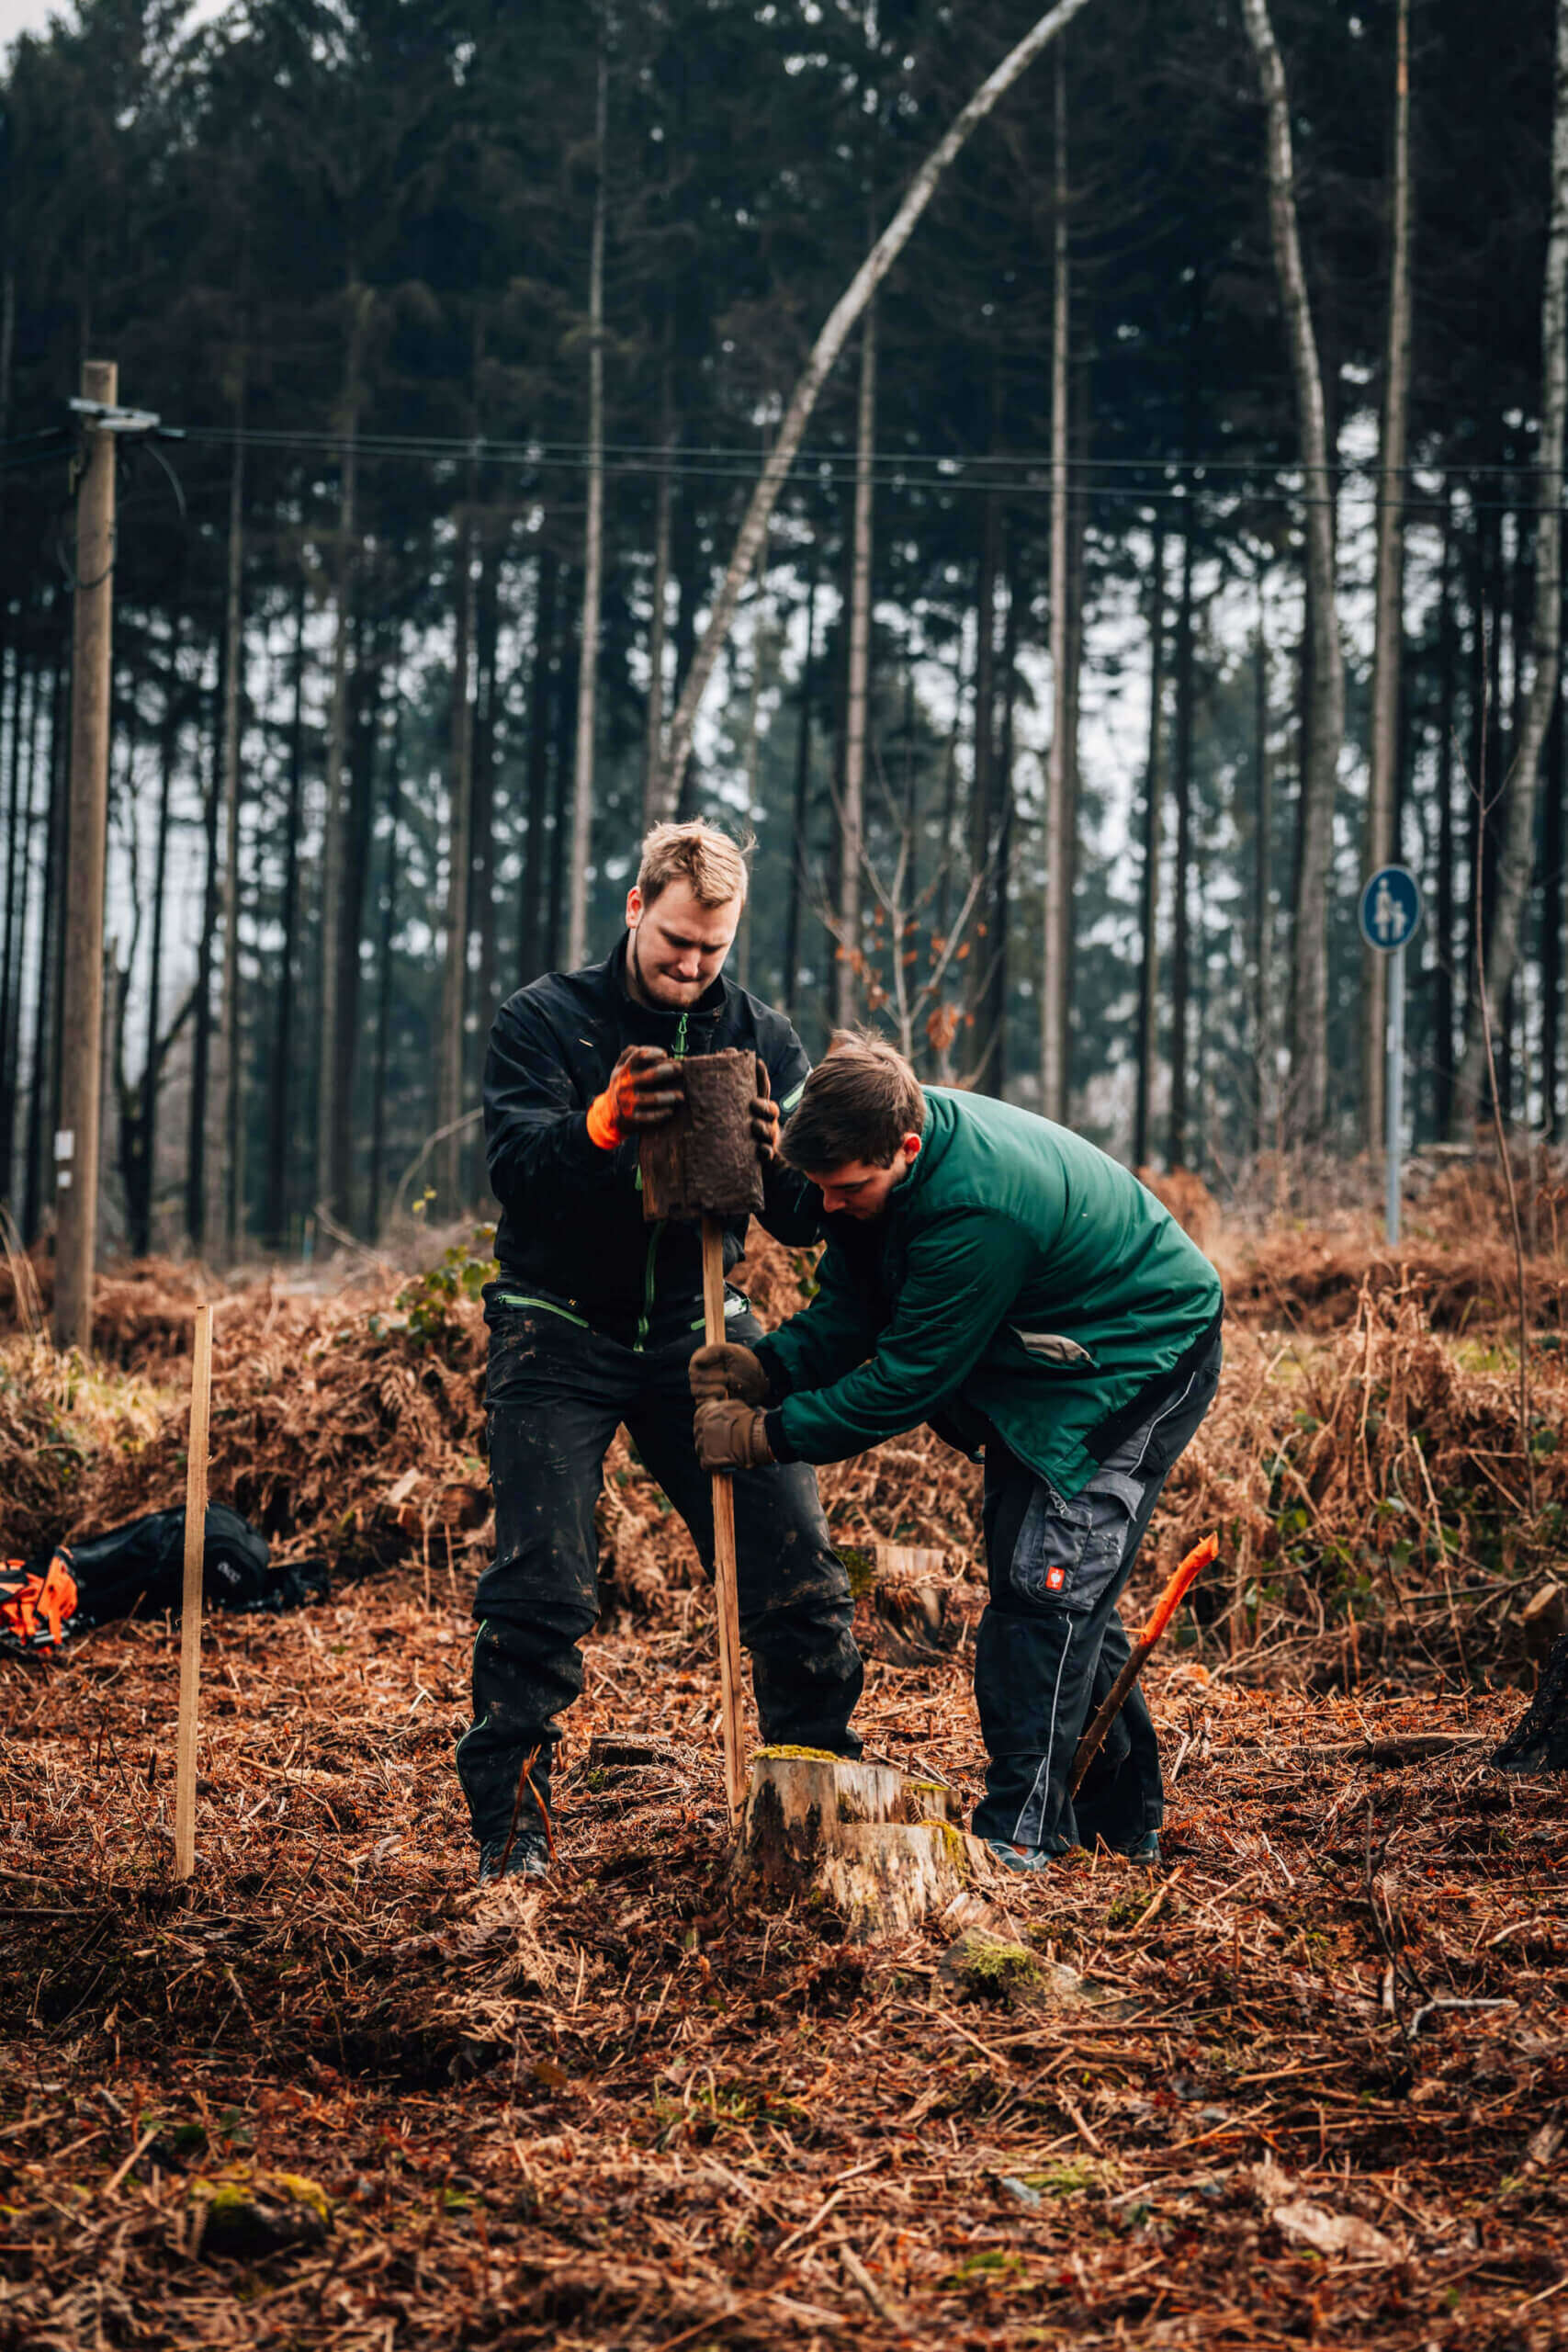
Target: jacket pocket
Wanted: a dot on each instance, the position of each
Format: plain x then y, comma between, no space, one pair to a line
1070,1554
1056,1352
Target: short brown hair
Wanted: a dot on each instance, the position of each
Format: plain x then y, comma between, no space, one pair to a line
697,854
859,1103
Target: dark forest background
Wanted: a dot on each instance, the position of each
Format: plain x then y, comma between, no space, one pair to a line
348,251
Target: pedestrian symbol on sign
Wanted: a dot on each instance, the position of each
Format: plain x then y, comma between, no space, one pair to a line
1390,909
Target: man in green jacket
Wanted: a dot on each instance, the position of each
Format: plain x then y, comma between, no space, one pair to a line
1000,1278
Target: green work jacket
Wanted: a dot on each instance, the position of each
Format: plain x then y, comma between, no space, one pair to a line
1018,1275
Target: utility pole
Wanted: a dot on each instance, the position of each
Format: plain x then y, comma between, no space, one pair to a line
81,989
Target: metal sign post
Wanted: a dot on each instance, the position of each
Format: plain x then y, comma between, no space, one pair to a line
1390,918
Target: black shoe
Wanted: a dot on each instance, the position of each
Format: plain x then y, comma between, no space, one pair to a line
529,1857
1538,1741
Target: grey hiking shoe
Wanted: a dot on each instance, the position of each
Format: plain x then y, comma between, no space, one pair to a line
529,1857
1147,1851
1020,1857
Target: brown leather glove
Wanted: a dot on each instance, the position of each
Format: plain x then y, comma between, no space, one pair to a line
764,1117
730,1436
645,1090
727,1369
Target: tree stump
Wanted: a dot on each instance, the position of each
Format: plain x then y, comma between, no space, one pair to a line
704,1160
860,1839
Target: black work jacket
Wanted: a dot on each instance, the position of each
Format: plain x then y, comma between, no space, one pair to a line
573,1235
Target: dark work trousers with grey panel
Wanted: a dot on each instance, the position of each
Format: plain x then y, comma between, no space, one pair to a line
1050,1643
556,1393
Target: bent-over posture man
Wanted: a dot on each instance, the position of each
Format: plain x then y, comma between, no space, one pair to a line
594,1321
996,1276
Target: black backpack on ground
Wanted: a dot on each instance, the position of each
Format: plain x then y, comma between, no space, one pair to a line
139,1569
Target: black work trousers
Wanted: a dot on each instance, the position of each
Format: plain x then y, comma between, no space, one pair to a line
555,1393
1051,1642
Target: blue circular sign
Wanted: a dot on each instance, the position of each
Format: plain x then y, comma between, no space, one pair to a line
1390,909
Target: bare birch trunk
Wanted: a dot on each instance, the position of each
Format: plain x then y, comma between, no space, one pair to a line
1058,777
1388,626
851,815
1516,858
593,548
230,1126
1154,788
1181,895
1326,707
836,331
361,299
1262,920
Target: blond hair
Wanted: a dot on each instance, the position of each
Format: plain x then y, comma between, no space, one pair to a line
697,854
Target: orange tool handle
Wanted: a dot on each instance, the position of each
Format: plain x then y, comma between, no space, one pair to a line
1175,1591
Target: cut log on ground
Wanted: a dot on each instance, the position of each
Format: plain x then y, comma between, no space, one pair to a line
858,1839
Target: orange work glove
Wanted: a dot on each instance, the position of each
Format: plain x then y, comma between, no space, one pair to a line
644,1090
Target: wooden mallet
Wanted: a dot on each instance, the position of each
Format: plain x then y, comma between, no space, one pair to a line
190,1600
703,1162
1164,1609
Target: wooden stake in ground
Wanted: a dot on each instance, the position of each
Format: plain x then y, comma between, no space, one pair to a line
1164,1609
190,1604
704,1162
724,1569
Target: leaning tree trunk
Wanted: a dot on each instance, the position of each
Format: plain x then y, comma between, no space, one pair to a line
1382,843
852,811
1326,707
1520,790
1059,764
594,549
840,324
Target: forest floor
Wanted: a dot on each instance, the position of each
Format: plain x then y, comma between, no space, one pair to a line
1310,2085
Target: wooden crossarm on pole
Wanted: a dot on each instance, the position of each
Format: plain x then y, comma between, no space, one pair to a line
190,1602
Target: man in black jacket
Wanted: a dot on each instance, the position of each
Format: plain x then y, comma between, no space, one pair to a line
594,1321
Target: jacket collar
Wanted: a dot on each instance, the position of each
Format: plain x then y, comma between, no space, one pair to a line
649,1022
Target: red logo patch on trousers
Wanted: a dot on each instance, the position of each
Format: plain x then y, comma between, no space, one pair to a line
1055,1579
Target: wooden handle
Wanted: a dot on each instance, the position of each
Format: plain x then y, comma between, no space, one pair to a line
190,1602
723,1571
1164,1609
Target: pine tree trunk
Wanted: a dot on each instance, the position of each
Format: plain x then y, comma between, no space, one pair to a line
537,775
993,1071
40,1090
1552,919
1443,959
653,732
1521,788
384,960
199,1148
982,815
19,831
459,859
1262,912
1058,829
1382,833
1148,923
327,1059
230,1123
1181,940
851,815
280,1091
555,911
1325,702
139,1151
594,547
487,732
835,333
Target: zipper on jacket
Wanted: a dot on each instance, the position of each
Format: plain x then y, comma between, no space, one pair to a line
645,1320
